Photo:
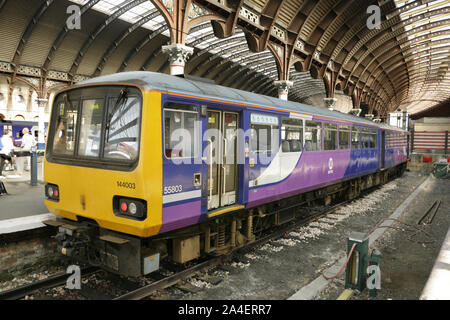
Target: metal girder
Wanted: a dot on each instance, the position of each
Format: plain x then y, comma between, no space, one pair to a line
401,62
247,56
348,12
214,56
2,4
388,49
28,31
393,64
388,37
376,62
98,30
62,35
115,44
231,79
200,40
216,44
387,24
141,44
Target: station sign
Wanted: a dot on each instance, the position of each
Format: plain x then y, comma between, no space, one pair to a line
263,119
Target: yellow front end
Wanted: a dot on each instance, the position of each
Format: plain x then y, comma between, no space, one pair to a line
88,192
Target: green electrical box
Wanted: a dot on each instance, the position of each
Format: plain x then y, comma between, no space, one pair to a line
355,274
441,169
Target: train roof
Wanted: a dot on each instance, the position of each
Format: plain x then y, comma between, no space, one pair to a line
207,89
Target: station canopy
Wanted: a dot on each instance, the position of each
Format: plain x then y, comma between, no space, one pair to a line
326,47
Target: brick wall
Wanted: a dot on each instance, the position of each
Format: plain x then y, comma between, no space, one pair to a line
27,251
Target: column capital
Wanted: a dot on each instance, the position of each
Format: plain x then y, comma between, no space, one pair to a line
330,102
41,102
178,56
355,112
283,88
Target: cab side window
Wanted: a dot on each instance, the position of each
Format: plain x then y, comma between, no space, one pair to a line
181,130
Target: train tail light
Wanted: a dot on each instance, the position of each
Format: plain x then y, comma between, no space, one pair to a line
51,192
130,207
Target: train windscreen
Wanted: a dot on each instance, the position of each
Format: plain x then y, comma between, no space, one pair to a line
96,125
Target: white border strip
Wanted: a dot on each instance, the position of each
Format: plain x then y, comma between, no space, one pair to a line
300,116
182,196
438,284
24,223
314,288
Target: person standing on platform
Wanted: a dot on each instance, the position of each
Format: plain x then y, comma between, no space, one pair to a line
28,141
7,149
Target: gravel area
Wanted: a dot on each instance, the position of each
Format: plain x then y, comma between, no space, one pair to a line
408,255
280,268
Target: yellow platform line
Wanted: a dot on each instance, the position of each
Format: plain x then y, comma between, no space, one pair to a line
346,294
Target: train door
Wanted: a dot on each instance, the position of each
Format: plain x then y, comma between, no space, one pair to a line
382,148
222,158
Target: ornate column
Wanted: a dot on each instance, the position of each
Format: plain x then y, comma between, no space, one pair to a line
330,102
283,88
42,103
178,56
29,102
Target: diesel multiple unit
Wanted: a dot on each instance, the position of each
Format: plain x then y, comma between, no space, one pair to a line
144,166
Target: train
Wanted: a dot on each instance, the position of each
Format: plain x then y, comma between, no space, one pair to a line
17,126
142,167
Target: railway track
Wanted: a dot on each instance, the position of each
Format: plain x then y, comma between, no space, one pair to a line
51,282
171,280
147,290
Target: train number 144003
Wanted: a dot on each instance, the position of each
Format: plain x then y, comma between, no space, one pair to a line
129,185
173,189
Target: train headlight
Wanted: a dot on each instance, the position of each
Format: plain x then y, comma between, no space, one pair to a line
130,208
51,192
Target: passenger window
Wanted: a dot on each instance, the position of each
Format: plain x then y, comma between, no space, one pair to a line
181,131
365,138
66,124
261,138
263,133
313,136
330,136
372,138
291,135
91,127
122,128
344,137
356,138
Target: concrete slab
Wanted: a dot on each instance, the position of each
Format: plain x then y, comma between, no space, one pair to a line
438,284
22,199
24,223
315,287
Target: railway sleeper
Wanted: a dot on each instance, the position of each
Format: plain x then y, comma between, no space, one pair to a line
133,256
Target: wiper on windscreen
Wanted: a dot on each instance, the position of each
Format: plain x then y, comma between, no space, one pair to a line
123,96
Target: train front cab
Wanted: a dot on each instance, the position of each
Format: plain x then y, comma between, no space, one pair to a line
102,174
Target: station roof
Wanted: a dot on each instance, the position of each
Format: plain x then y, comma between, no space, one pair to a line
403,63
204,89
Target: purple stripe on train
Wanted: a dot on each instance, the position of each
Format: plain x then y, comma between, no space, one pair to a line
314,169
181,215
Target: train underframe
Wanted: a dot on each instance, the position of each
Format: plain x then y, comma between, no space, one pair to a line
133,256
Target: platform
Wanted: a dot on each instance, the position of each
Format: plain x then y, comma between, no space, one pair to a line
22,200
438,284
